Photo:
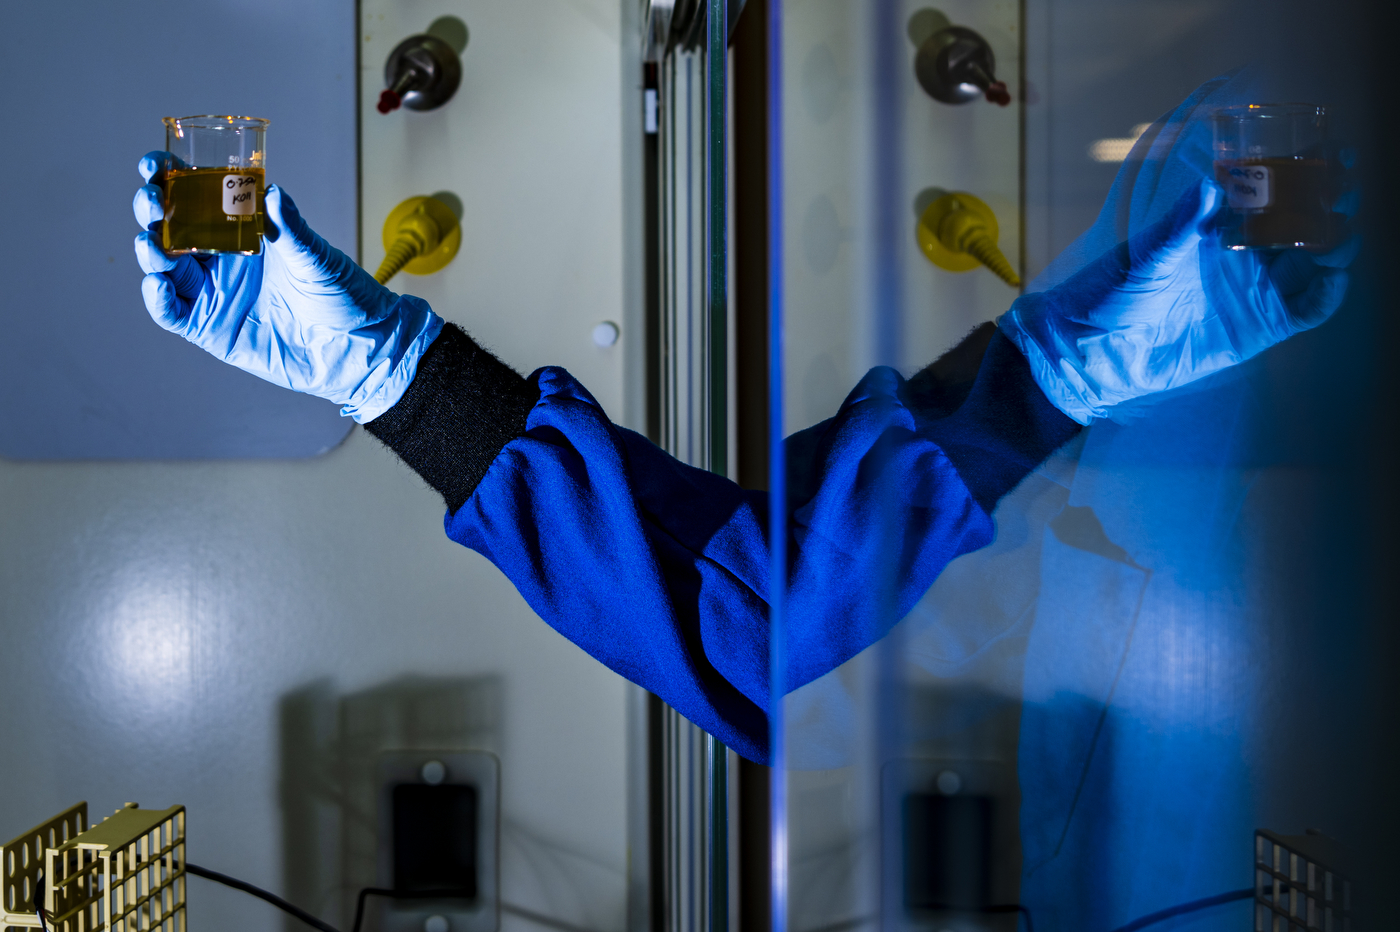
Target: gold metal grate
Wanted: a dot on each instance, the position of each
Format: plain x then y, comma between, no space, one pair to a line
125,874
23,858
1297,885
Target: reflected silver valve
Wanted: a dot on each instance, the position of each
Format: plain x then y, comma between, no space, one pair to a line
955,64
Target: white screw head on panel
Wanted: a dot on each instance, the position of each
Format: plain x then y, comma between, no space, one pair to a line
949,783
433,772
436,924
605,334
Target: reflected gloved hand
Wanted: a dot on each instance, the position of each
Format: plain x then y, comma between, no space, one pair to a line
301,314
1168,307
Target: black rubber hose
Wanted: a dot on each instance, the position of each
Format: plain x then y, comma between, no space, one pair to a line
1151,919
261,894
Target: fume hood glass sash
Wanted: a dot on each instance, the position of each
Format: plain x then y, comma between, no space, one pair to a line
840,156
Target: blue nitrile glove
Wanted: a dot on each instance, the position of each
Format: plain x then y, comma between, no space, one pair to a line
1168,307
301,314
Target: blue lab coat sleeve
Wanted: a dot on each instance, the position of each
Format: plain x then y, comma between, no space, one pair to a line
661,570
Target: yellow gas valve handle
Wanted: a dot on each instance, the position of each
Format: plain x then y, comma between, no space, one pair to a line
958,232
421,236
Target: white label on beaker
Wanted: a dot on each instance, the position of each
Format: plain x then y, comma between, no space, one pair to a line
241,195
1248,187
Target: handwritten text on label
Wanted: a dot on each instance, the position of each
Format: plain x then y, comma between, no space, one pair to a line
241,195
1248,187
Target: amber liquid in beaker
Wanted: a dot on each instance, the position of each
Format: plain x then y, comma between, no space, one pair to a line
1276,204
214,210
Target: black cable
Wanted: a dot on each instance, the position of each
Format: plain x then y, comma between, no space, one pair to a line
315,923
1151,919
527,914
540,919
1172,911
403,895
1000,908
859,921
1013,908
360,904
39,906
261,894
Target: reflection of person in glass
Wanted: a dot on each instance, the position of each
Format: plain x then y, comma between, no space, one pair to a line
660,570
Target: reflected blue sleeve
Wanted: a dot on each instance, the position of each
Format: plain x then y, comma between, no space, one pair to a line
660,570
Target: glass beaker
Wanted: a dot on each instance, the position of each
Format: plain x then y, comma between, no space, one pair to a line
1273,163
214,192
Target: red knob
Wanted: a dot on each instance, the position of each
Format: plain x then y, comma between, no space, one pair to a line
391,101
997,93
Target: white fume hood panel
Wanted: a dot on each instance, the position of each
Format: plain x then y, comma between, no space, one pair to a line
532,147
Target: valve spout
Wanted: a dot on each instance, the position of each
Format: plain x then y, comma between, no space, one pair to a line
417,235
409,79
980,246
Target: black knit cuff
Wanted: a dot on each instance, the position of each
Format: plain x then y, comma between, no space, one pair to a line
463,407
984,408
940,388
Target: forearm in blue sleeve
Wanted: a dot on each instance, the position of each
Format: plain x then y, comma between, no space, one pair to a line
660,570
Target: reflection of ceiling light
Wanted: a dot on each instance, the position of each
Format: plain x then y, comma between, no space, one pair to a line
1116,150
147,646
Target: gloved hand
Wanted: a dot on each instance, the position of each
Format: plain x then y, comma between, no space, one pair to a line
301,314
1168,307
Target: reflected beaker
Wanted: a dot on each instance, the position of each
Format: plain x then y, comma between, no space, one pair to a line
1272,161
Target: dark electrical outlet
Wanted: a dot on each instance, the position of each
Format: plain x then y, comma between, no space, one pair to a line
435,838
437,826
947,851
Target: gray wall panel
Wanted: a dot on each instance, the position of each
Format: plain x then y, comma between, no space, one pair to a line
85,373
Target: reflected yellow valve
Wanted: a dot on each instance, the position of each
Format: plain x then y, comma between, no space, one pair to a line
958,232
421,235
